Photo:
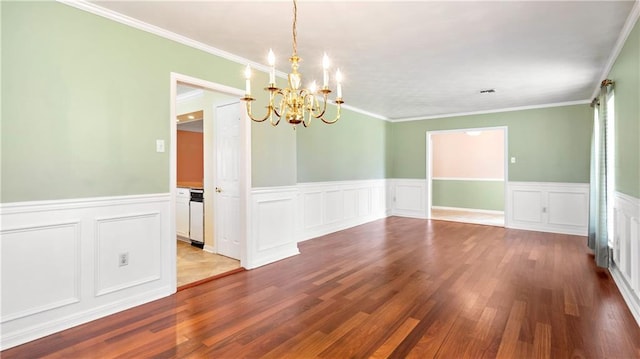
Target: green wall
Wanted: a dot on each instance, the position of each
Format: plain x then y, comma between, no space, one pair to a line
550,144
85,98
488,195
353,148
626,74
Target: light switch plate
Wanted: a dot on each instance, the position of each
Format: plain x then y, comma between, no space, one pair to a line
159,145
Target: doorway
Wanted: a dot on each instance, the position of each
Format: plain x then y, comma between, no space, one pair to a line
466,175
225,159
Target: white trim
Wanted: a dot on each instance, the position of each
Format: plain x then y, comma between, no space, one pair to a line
49,327
246,257
327,207
467,179
197,93
468,209
553,207
76,203
371,114
89,302
633,302
402,196
278,189
141,25
508,109
356,183
634,14
625,250
633,201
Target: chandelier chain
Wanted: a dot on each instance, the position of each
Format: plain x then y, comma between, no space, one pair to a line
295,23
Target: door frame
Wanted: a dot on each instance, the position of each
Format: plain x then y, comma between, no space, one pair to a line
245,165
429,159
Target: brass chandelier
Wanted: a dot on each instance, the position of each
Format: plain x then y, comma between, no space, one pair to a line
296,105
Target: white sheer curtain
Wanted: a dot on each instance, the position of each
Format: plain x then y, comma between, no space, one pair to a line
601,184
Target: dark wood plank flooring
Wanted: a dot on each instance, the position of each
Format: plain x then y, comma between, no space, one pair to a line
396,288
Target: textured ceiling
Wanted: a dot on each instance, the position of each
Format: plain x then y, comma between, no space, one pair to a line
416,58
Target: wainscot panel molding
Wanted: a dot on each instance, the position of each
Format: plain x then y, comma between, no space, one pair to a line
273,228
548,207
625,268
328,207
60,261
408,197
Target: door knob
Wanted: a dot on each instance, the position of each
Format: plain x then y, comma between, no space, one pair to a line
218,189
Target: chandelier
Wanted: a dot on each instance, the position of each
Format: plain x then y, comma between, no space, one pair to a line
295,104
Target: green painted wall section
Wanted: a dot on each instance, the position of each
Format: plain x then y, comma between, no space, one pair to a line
85,98
626,74
487,195
550,144
354,148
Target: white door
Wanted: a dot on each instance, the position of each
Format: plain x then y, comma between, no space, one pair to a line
227,180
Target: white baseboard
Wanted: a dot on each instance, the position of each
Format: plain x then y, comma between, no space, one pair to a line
475,210
44,329
626,249
631,298
209,249
73,246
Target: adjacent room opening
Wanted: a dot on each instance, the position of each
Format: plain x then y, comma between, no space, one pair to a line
207,191
466,175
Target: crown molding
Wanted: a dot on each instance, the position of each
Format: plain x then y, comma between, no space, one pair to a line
141,25
508,109
624,34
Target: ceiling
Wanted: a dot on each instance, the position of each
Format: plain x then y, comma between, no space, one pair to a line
416,59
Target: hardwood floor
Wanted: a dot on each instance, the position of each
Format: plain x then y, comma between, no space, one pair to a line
397,288
194,264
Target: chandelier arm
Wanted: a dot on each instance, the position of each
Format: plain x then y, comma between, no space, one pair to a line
275,109
324,107
330,122
269,111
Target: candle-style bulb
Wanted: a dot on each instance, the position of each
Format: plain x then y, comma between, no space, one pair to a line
247,76
325,61
339,84
325,70
271,57
313,87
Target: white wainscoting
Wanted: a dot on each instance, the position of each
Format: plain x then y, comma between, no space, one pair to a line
548,207
60,261
326,207
626,250
273,227
408,197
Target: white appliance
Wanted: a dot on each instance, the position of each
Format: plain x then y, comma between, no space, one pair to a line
196,218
